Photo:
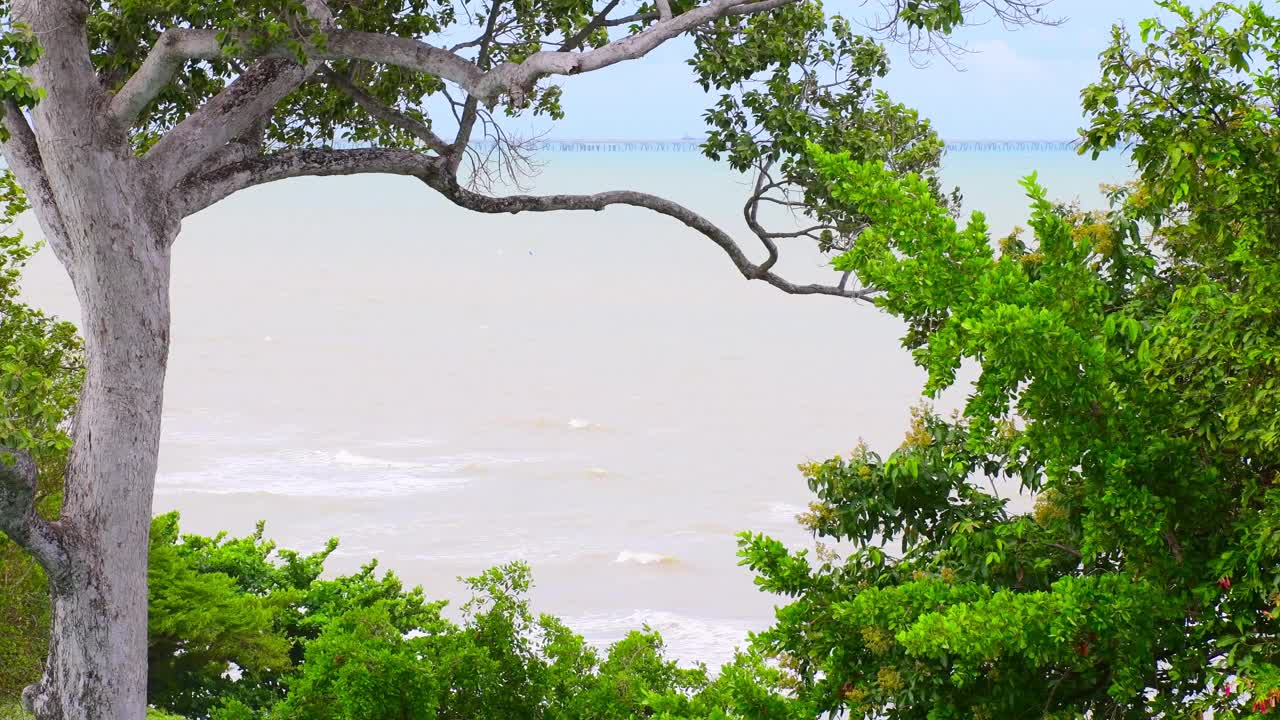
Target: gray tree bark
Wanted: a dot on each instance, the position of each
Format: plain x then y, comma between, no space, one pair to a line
121,275
119,263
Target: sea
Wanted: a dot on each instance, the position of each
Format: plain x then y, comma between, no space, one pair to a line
599,395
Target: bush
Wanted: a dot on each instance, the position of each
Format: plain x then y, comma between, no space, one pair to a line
241,629
13,711
24,620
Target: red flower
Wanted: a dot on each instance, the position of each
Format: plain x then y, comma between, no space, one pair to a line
1224,583
1227,690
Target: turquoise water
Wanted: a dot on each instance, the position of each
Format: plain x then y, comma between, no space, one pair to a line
989,181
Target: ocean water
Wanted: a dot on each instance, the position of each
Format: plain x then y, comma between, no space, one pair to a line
600,395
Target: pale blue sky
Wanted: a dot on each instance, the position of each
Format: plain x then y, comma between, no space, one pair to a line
1019,84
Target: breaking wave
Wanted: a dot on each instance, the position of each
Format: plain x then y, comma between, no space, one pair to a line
574,423
688,639
342,457
331,474
644,558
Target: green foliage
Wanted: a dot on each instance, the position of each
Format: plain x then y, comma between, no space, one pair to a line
363,647
793,77
1127,380
122,33
199,621
241,630
19,50
24,620
40,365
40,375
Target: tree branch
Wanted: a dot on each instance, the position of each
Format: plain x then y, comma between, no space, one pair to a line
471,107
516,79
928,40
18,518
385,113
226,117
23,156
202,191
178,45
173,49
597,22
1175,547
633,18
251,144
1066,549
64,69
319,10
751,213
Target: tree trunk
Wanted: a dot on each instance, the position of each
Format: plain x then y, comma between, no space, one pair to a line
112,227
116,248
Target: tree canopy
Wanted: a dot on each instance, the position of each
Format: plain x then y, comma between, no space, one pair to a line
1127,382
217,97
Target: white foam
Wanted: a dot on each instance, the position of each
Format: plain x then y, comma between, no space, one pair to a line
688,639
339,474
342,457
783,513
644,558
310,486
575,424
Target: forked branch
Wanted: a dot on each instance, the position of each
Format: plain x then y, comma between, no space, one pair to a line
18,518
239,107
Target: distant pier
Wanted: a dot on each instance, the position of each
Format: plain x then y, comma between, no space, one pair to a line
1013,145
693,145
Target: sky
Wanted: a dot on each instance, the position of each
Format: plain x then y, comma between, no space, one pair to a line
1016,84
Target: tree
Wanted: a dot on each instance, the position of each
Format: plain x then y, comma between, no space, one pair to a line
1128,382
123,118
